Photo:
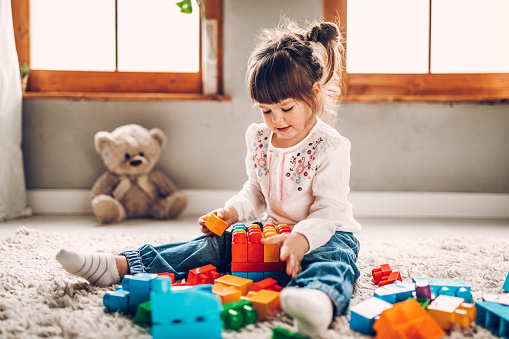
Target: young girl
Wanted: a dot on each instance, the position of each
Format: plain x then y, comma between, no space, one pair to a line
298,172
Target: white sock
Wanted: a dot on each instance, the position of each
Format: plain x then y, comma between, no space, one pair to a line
311,309
97,268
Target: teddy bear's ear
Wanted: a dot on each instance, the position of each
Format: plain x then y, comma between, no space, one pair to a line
158,136
101,139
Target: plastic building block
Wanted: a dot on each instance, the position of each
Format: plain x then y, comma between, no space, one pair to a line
502,299
143,314
494,317
407,319
453,287
265,302
255,276
194,312
258,266
270,252
244,285
215,224
447,310
364,314
423,290
139,287
226,293
396,292
239,244
202,275
170,275
384,275
283,333
267,284
117,301
238,314
505,287
254,244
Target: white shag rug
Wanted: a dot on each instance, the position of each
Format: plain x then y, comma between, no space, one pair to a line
38,299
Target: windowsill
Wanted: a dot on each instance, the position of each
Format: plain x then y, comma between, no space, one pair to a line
126,96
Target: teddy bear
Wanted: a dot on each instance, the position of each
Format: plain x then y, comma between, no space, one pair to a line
131,187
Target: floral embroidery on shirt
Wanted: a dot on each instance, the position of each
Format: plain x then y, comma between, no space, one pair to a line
260,153
302,164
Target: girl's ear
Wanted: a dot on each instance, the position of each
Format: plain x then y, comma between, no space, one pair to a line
317,89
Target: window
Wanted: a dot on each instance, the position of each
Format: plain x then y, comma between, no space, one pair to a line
424,50
120,49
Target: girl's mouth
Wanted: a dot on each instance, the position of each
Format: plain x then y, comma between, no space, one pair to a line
283,129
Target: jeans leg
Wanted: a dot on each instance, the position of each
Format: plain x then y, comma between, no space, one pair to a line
331,269
179,258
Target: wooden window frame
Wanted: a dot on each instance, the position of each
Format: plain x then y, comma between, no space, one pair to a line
461,87
116,85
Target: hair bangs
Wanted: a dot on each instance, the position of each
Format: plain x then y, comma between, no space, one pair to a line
275,79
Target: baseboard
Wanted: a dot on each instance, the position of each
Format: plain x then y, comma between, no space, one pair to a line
366,204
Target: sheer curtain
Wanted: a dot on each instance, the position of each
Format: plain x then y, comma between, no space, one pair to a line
13,202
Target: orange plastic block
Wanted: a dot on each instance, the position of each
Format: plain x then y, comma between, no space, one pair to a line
448,310
270,252
267,284
239,246
202,275
254,244
407,319
265,302
243,284
226,293
215,224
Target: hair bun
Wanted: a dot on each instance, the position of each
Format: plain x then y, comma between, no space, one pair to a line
323,33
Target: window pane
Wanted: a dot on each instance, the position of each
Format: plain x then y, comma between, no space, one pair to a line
470,36
389,36
72,35
153,36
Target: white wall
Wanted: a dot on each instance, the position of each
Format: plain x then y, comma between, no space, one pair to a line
395,147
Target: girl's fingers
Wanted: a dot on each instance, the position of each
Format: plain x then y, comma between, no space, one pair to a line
275,240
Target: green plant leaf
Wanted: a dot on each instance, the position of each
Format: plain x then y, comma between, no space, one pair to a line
185,6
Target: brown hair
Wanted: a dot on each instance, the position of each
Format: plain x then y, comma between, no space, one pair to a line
288,60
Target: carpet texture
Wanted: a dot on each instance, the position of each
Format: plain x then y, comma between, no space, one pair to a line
38,299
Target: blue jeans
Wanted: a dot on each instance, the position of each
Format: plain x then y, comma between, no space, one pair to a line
330,268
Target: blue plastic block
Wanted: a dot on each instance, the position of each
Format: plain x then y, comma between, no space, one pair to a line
139,287
494,317
239,226
240,274
395,292
363,315
255,276
117,301
452,287
194,312
506,284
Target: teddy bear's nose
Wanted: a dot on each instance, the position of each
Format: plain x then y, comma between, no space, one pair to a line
135,163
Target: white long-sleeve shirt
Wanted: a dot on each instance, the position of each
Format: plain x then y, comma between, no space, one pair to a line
304,186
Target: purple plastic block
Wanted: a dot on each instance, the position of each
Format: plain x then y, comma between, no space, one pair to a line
422,289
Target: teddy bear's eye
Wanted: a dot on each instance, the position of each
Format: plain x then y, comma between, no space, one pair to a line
127,156
141,154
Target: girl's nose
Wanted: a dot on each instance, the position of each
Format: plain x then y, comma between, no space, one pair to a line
277,117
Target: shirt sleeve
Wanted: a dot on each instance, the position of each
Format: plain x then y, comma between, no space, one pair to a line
331,210
249,202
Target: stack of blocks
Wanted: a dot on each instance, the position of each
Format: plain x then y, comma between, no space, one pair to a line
254,260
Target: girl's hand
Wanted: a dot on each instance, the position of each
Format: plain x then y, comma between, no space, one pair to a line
228,214
293,247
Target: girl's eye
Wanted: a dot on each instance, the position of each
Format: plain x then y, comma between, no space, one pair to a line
287,110
266,112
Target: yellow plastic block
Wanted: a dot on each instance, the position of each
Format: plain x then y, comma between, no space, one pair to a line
270,252
226,293
243,284
215,224
265,302
448,310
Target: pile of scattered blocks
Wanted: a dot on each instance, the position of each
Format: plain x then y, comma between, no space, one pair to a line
425,308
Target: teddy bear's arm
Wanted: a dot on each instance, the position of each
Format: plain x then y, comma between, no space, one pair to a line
105,184
163,184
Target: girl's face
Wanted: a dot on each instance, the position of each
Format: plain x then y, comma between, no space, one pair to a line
290,120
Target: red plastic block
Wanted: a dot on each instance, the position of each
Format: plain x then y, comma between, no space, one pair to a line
283,228
170,275
239,246
258,266
203,275
254,244
267,284
384,275
391,278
